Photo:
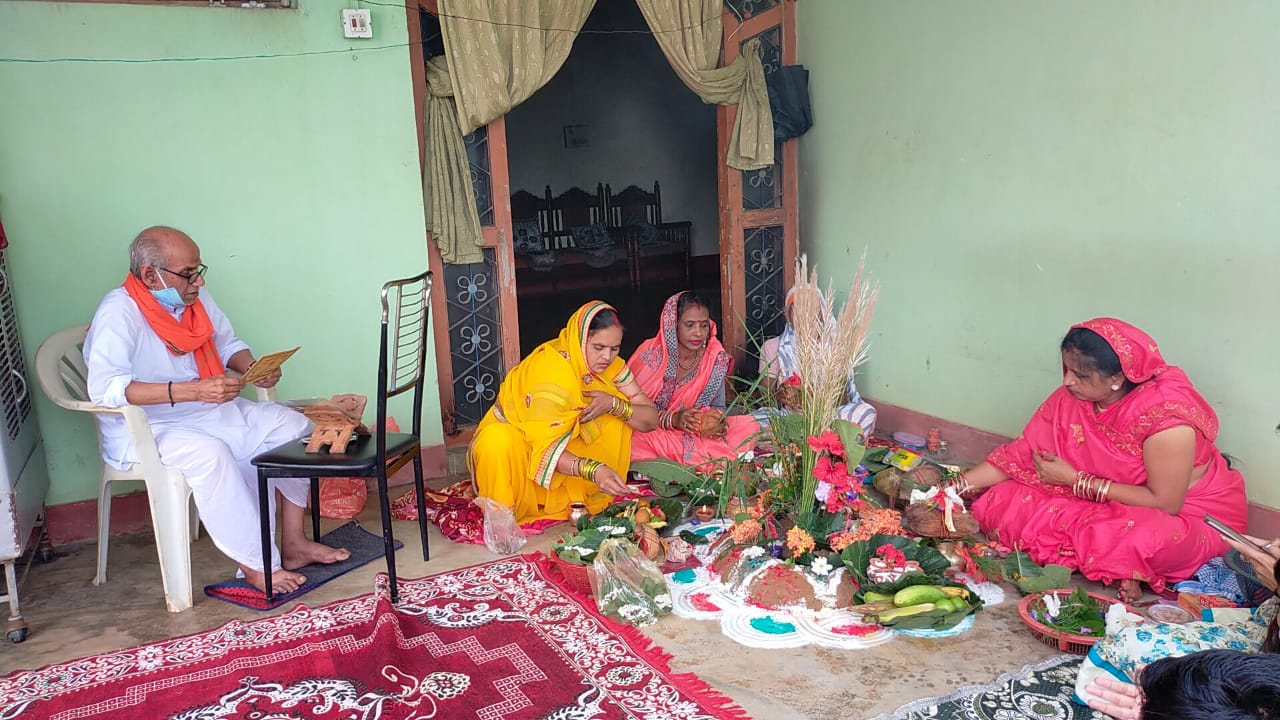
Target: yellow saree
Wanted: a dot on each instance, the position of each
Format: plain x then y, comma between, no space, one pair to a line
536,419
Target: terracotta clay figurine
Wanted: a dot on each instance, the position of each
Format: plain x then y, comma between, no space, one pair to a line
336,422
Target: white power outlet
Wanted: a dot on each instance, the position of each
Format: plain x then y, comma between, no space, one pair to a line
357,24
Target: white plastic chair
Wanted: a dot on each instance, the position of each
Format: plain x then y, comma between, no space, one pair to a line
62,374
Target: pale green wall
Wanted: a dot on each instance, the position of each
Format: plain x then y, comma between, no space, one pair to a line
1014,167
298,176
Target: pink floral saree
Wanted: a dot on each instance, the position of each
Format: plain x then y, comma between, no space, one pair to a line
655,367
1112,542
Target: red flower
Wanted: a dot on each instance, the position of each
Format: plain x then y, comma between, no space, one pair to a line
892,555
827,442
792,380
824,470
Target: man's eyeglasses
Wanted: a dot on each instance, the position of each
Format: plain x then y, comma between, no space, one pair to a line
190,277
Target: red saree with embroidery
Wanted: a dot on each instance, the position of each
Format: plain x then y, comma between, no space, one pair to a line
1112,542
656,368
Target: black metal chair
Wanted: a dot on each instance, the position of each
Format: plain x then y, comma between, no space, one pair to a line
401,361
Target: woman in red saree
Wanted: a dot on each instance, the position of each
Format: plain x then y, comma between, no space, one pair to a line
684,369
1114,473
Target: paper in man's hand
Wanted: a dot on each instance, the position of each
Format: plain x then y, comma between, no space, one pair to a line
267,364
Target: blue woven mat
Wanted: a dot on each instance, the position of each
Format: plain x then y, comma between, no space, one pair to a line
364,546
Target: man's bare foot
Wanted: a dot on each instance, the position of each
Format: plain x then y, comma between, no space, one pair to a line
302,553
1130,591
282,581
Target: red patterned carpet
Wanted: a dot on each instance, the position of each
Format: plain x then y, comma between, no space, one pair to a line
494,641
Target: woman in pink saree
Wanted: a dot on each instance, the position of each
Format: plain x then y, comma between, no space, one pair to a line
684,369
1114,473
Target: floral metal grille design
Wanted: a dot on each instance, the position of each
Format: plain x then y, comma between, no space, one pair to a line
762,189
747,8
481,178
475,336
764,282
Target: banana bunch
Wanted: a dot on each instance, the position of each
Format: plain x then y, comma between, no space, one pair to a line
917,607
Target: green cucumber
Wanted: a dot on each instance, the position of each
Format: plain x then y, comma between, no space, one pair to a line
917,594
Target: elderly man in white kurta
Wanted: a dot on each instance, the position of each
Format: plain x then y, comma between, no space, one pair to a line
161,342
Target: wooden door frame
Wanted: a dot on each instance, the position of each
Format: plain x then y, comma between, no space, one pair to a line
733,219
497,236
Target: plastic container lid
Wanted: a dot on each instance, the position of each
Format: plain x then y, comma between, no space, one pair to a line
911,441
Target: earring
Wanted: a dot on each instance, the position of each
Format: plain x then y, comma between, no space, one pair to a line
1115,387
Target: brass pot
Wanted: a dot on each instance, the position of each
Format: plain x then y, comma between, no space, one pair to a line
949,551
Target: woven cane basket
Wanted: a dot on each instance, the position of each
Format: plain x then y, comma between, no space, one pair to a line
1059,639
578,577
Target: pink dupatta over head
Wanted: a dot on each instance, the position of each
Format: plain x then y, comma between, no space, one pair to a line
656,368
1109,443
1114,541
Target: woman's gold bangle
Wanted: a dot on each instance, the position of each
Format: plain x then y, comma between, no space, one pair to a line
587,468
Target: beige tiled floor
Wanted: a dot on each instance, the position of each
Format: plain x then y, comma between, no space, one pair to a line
70,618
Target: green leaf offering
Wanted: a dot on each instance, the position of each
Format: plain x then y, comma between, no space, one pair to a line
667,478
857,557
1078,614
1030,578
853,438
693,538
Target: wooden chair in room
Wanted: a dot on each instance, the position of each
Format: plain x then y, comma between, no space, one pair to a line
657,250
529,208
634,206
574,207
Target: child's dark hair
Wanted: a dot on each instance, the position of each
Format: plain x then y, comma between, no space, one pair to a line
1212,685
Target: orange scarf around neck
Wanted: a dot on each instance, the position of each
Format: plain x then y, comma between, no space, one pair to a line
192,334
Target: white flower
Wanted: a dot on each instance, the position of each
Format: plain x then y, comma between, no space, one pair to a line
633,612
748,455
820,566
822,490
1052,605
663,601
754,551
612,529
776,470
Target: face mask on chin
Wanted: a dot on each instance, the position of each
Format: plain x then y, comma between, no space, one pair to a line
168,297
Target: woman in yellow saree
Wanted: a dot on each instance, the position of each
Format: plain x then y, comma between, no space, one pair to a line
560,430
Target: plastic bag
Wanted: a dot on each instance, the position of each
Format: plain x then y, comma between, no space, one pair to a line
501,532
342,498
627,585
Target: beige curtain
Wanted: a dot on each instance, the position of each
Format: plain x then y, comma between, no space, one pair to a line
689,32
500,52
450,198
497,54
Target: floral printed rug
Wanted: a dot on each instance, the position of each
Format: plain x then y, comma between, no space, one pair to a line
1037,692
494,641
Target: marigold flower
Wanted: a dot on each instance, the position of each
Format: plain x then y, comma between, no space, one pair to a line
799,542
841,540
746,532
